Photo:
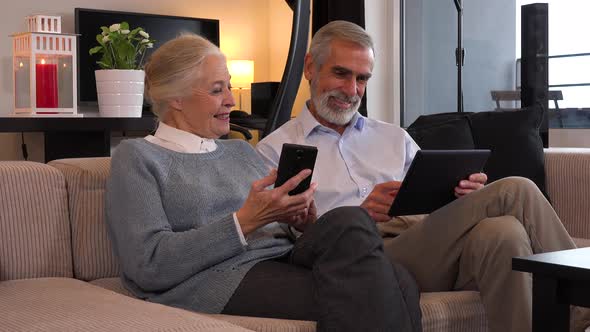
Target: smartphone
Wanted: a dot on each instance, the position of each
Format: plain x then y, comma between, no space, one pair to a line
294,159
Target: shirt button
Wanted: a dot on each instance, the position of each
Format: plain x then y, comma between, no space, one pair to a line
364,192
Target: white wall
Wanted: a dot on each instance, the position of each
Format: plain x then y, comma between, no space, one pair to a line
247,29
382,22
279,28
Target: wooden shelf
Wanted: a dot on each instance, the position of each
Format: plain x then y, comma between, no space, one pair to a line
15,125
76,137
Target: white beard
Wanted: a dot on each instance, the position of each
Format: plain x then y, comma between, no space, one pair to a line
337,117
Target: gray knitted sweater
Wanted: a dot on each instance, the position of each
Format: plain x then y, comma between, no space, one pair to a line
169,217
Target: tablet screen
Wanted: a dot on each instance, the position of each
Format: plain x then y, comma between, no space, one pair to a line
432,178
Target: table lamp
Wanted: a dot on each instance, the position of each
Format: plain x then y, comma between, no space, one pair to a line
242,76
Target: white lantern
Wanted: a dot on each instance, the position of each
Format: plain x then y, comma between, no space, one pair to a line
44,69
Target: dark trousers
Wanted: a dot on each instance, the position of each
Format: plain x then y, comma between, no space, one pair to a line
337,275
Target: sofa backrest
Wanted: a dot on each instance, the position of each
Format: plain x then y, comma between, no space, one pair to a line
568,185
85,178
34,224
39,204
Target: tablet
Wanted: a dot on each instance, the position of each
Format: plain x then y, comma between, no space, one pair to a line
432,177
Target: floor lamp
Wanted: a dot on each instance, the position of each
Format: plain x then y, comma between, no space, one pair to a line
459,55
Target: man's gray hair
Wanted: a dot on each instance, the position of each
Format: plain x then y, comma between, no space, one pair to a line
341,30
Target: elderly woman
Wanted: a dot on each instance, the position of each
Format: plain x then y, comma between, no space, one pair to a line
196,223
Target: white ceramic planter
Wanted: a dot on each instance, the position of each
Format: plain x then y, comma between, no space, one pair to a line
120,92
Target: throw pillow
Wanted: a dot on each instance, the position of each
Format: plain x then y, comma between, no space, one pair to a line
448,133
433,119
513,137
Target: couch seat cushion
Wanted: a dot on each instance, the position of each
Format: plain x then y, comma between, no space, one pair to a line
460,311
113,284
268,324
452,311
64,304
441,311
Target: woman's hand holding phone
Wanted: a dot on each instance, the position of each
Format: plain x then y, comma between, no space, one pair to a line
263,206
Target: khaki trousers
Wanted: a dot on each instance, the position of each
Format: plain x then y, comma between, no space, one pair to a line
469,244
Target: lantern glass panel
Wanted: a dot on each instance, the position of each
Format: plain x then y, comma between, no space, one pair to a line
22,81
65,77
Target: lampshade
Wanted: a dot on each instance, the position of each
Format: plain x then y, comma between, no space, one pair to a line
242,73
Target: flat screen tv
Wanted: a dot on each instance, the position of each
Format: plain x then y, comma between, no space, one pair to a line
160,27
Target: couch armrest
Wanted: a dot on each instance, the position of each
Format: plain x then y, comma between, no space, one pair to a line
568,185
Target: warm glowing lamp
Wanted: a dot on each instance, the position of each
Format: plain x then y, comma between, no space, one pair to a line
242,75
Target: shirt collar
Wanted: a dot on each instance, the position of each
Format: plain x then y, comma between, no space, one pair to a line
309,123
185,141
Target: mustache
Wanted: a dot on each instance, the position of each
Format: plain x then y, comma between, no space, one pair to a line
343,97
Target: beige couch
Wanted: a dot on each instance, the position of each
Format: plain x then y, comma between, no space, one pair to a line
58,273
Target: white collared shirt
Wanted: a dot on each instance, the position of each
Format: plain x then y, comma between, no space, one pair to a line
182,141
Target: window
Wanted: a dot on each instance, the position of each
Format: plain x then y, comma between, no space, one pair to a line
569,51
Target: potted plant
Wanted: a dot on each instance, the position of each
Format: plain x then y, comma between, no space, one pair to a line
120,79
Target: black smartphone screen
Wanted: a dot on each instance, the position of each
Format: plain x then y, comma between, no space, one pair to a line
294,159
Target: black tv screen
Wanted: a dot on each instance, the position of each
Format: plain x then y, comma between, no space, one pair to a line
160,27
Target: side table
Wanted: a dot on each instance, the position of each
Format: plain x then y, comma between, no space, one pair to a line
560,279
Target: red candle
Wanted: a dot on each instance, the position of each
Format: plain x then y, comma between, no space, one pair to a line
46,85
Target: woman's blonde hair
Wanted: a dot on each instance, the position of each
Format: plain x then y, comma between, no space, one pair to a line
173,68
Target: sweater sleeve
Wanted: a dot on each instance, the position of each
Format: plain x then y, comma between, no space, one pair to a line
152,254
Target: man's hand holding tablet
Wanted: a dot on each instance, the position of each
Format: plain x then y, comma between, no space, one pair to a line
380,199
434,179
474,182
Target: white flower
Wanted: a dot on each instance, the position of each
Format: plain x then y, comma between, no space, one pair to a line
105,39
150,45
143,41
115,27
105,33
124,32
144,34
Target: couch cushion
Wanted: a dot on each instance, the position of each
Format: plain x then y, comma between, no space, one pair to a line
581,243
63,304
568,185
513,137
34,225
441,311
85,180
459,311
252,323
268,324
443,135
113,284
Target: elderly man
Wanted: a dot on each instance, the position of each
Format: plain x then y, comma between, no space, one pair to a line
468,243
